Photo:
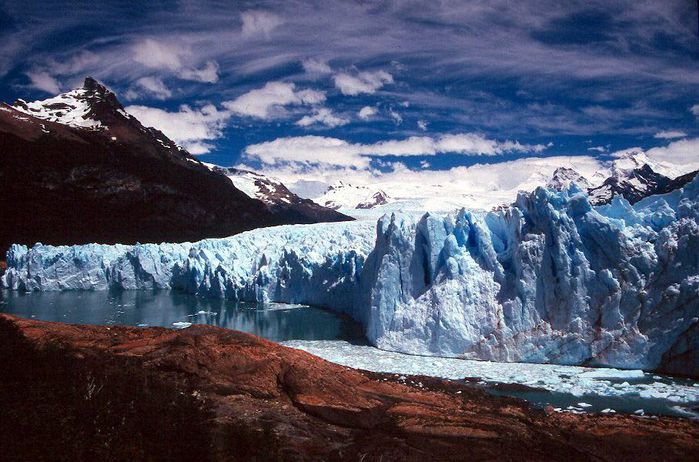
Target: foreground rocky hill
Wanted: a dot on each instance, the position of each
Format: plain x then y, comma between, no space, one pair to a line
204,393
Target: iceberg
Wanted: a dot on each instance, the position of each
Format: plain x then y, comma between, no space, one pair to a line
549,279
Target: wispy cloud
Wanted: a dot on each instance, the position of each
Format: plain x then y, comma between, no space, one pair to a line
367,112
44,82
362,82
670,134
259,23
316,66
152,86
334,151
322,116
269,101
189,127
166,56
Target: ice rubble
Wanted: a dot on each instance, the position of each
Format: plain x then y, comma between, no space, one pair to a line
574,380
549,279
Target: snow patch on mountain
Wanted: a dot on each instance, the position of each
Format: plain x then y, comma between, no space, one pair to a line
345,196
72,108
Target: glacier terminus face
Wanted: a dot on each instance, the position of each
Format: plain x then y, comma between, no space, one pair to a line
550,279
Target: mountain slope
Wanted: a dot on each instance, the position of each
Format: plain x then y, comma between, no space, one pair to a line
634,185
278,197
77,168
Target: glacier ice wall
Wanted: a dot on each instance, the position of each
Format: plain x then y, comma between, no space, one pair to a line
549,279
319,266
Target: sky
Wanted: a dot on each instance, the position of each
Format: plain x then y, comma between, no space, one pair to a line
338,88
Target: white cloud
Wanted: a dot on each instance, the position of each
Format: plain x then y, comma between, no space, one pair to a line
334,151
597,149
206,74
670,134
682,153
188,127
322,116
363,82
307,149
695,110
268,102
169,57
259,23
157,55
397,118
152,86
44,81
316,66
422,125
367,112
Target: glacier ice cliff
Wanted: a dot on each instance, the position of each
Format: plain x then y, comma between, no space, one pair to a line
549,279
315,264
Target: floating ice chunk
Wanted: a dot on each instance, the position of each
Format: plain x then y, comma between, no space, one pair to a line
605,373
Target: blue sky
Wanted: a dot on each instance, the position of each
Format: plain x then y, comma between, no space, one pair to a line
357,85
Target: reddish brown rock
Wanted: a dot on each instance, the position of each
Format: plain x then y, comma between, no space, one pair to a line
97,393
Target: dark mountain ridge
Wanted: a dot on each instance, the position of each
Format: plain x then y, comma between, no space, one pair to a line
79,169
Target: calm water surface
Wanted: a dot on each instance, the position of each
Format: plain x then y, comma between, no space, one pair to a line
277,322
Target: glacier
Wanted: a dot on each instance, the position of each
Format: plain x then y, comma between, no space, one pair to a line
318,266
549,279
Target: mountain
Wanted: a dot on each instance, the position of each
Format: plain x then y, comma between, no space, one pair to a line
635,184
78,168
564,177
347,196
376,199
278,197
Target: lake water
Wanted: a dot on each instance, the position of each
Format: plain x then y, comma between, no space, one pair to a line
277,322
340,340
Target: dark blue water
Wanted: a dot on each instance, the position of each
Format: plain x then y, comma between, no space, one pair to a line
275,322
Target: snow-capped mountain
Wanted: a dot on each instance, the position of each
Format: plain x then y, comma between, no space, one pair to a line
348,196
564,177
277,196
376,199
78,168
91,106
634,185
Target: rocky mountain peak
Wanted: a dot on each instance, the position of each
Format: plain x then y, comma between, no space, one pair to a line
92,106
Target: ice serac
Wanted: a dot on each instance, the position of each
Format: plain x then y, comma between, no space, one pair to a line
551,279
